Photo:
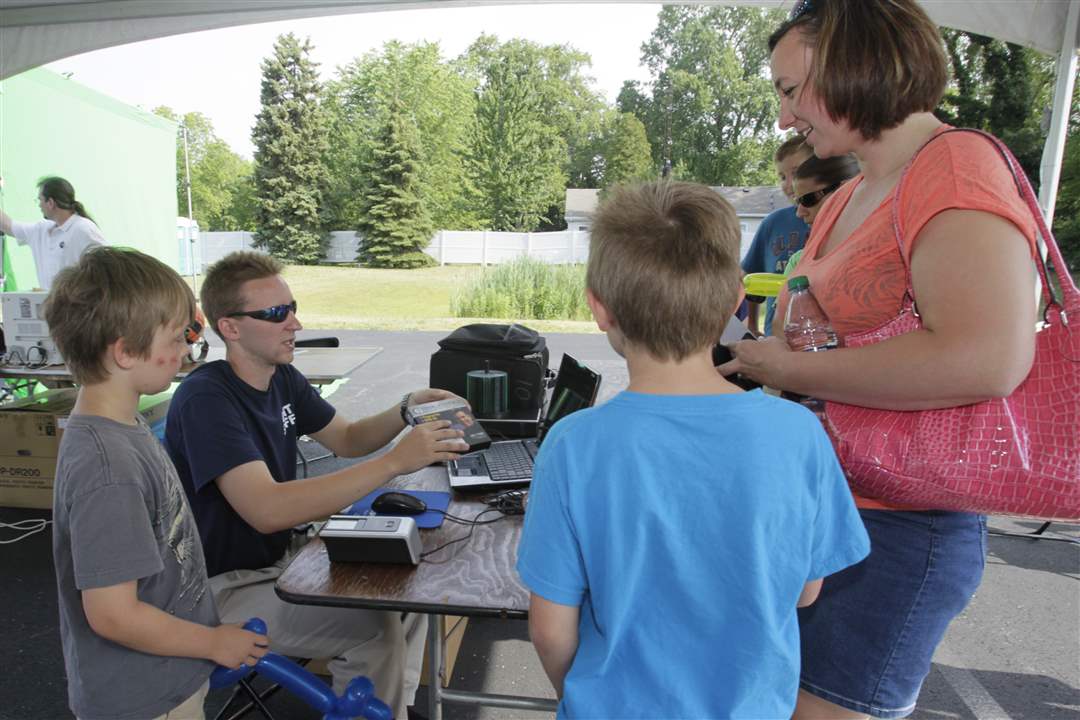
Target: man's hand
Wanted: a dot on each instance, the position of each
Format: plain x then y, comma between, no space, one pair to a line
419,397
232,646
425,444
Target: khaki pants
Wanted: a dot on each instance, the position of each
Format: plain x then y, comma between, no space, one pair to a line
381,645
190,709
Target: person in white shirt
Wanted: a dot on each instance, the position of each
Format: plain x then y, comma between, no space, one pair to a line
59,239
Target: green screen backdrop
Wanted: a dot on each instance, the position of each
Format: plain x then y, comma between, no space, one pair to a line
121,160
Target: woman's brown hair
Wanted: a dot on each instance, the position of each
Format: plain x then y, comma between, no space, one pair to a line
875,62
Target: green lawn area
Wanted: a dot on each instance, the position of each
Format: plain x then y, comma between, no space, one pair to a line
367,299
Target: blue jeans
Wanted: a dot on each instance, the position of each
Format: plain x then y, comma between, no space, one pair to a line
868,641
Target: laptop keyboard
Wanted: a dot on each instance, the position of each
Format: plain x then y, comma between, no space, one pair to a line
508,461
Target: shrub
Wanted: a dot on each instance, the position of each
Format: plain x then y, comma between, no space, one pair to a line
525,289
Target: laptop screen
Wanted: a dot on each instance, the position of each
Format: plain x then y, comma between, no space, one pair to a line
575,388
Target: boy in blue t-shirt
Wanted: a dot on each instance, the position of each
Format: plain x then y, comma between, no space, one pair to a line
780,234
667,541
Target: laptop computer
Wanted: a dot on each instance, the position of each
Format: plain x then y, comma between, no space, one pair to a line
509,464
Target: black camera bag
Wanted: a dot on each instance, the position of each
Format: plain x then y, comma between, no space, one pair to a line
518,351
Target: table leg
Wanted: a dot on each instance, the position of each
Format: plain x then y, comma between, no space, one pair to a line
435,667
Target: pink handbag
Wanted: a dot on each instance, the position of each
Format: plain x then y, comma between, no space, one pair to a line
1014,456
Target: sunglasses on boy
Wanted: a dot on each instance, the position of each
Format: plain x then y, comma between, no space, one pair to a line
276,314
811,199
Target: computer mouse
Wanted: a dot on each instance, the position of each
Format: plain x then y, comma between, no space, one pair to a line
398,503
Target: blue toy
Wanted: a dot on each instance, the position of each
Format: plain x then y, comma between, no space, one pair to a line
358,700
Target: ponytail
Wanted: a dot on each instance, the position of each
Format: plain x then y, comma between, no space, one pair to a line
61,192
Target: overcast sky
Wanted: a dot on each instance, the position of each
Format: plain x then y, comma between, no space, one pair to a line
217,72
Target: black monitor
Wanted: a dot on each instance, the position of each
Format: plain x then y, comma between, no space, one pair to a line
575,388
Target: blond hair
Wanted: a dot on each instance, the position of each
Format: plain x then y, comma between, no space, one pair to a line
664,260
220,294
113,293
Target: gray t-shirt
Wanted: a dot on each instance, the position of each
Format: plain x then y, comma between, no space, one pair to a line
119,514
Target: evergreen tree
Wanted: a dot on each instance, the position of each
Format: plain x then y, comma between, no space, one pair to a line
441,105
394,226
289,170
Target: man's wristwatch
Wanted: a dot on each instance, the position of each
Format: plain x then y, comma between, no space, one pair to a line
405,408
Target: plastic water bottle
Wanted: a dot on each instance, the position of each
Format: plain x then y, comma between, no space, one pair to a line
806,326
807,329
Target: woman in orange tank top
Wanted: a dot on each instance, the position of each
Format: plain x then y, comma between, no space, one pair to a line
862,77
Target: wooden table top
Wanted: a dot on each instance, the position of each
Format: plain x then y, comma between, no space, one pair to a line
475,577
319,365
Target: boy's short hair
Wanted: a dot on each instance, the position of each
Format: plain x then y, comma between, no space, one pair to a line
113,293
664,260
220,294
794,144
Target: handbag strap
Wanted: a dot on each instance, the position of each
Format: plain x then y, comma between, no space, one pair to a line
1070,294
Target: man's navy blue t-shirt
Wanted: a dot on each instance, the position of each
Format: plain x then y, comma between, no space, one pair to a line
217,422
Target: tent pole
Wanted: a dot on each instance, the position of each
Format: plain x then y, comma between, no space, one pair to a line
1054,150
191,216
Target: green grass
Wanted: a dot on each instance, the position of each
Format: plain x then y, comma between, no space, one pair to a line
368,299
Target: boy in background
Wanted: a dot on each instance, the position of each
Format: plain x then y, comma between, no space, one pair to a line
667,544
780,234
138,625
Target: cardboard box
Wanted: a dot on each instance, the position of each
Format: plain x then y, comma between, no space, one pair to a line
30,432
27,481
453,630
29,427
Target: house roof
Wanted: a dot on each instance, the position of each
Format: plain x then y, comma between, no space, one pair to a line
753,201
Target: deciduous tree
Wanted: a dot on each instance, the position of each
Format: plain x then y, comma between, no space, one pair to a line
709,107
517,158
220,179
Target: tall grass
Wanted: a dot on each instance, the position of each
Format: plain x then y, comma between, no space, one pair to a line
525,289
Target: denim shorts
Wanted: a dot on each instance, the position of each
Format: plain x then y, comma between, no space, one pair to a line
868,641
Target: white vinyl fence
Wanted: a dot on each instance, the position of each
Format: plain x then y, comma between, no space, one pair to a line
448,247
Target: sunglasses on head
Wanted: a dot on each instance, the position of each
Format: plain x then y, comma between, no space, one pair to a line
275,314
811,199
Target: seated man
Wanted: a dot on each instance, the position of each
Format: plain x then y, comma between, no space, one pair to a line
232,430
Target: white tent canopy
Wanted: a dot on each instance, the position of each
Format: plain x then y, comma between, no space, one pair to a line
35,32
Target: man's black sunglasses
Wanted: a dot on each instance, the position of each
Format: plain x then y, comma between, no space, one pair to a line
811,199
275,314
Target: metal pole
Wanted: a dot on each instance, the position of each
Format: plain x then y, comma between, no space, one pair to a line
191,216
1054,150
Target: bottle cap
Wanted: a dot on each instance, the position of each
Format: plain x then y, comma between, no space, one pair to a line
799,282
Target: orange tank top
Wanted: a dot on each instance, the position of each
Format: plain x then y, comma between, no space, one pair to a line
861,282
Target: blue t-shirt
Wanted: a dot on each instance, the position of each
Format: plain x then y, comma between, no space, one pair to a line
685,537
780,234
217,422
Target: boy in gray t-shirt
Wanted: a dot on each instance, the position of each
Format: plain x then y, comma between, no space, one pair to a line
138,624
